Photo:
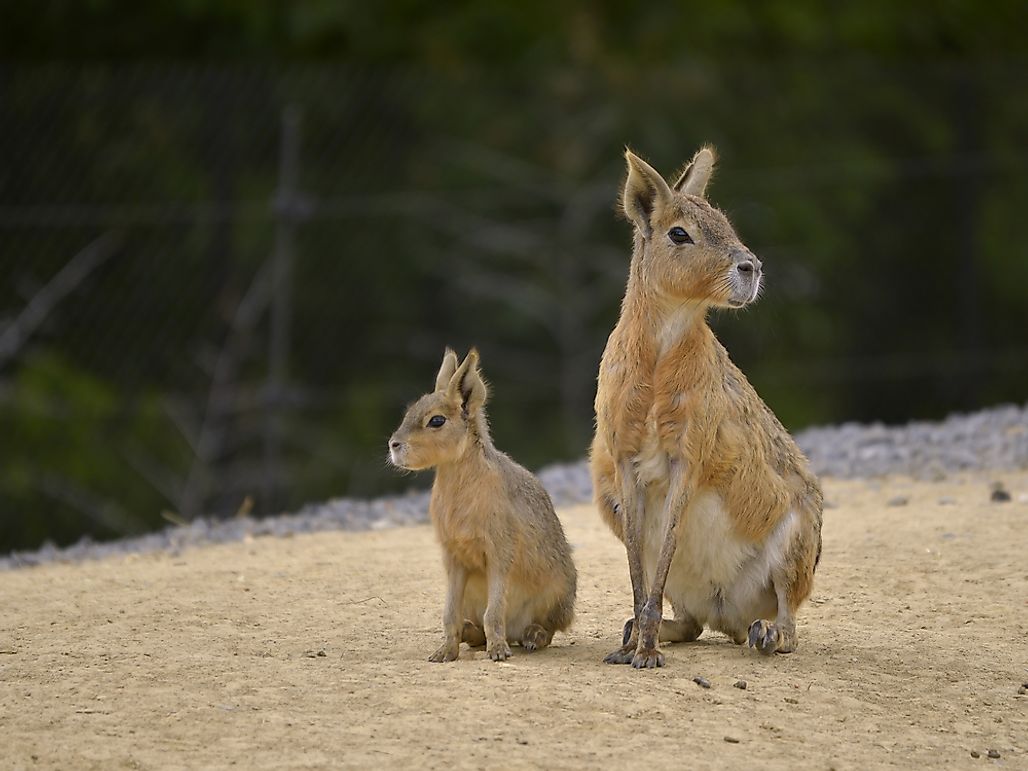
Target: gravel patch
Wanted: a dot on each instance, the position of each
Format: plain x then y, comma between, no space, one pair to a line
991,439
995,438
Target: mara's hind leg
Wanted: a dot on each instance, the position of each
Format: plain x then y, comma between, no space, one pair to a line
473,634
682,628
792,584
792,579
535,637
550,615
778,636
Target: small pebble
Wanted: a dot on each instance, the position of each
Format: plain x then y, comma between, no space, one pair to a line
1022,690
993,754
899,500
947,500
731,740
975,754
740,684
999,493
702,682
790,700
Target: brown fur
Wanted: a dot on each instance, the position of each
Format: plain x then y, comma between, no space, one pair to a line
692,471
509,569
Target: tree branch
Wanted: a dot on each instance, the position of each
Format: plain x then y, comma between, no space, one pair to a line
60,286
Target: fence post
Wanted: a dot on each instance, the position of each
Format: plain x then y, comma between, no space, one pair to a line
287,209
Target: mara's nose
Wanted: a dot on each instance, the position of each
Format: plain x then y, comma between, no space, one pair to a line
394,445
749,265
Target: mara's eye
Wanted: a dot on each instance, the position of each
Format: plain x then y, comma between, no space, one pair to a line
435,421
679,236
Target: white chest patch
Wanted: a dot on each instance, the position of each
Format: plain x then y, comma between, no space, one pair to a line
672,330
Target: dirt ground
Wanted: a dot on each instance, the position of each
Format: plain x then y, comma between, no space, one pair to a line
311,652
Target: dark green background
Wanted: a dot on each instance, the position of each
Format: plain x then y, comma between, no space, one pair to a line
460,168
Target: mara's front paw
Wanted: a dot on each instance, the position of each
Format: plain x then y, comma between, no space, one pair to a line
498,651
447,652
647,658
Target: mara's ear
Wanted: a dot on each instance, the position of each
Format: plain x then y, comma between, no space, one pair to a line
447,369
698,173
467,384
645,192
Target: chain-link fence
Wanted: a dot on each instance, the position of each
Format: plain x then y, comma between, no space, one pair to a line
221,285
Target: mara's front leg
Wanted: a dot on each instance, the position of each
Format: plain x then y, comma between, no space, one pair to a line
453,619
632,526
495,618
647,654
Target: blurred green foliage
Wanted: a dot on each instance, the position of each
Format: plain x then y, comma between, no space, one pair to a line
462,165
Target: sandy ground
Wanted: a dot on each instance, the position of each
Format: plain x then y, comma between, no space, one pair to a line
311,652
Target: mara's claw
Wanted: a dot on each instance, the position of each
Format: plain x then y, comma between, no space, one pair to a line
764,636
446,652
535,638
648,659
499,651
622,655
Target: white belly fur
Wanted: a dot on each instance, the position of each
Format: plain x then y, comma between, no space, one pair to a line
723,581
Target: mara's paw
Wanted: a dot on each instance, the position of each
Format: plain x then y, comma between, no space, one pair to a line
446,652
473,635
535,637
767,638
498,651
763,636
647,658
622,655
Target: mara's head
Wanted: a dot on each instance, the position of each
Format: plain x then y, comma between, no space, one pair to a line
441,426
686,249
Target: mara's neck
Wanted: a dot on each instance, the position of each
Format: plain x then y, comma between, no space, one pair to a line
662,323
475,458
